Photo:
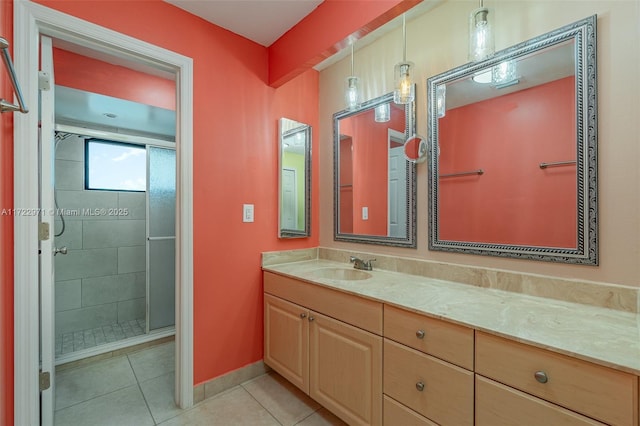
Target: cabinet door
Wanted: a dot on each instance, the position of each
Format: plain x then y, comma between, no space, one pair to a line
346,370
286,340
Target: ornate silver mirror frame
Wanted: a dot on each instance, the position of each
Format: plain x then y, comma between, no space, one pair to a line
407,236
582,35
294,183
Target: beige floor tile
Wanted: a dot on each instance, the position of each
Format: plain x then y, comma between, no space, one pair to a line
159,394
232,408
287,403
154,361
322,417
84,383
124,407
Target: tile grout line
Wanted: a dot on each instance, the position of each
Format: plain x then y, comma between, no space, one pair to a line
144,398
260,404
95,397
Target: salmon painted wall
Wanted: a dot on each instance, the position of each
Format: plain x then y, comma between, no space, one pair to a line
514,201
95,76
329,28
235,162
369,168
6,231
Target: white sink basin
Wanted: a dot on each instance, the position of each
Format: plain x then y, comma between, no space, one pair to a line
343,274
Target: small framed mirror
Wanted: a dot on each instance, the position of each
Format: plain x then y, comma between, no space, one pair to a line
294,167
513,151
374,183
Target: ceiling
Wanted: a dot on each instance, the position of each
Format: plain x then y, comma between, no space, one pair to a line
262,21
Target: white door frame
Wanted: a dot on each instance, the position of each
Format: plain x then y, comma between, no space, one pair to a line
31,20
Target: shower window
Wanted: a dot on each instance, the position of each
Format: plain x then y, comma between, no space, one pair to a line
115,166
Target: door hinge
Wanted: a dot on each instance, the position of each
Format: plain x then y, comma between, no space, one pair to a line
45,380
44,81
43,231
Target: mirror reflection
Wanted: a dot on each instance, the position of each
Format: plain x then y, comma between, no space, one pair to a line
511,172
295,179
374,182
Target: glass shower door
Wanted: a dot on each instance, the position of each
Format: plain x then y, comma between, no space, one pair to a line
161,237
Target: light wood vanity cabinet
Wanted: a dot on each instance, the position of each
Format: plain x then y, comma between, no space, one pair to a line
307,341
422,359
426,371
601,393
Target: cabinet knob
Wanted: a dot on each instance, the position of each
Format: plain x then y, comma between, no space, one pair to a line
303,315
420,334
420,386
541,376
311,319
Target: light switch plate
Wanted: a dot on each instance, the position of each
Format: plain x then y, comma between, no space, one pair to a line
247,212
365,213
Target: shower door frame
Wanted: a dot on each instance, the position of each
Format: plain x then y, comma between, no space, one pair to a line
30,21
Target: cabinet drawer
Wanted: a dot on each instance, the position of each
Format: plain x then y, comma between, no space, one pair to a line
397,414
446,394
451,342
362,313
599,392
499,405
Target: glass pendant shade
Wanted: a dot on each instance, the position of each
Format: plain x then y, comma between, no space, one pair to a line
382,113
404,91
481,43
352,93
441,100
504,72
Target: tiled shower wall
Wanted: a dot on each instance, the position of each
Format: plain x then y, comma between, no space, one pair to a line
101,281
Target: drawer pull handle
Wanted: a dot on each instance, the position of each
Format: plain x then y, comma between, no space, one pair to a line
311,319
303,315
541,376
420,334
420,386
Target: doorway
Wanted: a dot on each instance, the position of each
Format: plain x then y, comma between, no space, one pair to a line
114,271
32,21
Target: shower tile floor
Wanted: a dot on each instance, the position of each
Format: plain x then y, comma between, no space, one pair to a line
137,390
84,339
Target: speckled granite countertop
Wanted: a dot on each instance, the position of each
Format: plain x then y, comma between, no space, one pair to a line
604,336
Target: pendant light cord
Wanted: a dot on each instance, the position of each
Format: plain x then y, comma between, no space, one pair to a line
352,59
404,38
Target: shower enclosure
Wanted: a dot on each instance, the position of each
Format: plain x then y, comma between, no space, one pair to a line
115,240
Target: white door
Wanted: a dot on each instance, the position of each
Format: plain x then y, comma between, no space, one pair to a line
397,177
289,219
47,216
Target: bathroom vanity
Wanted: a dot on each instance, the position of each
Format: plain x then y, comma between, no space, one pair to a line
391,348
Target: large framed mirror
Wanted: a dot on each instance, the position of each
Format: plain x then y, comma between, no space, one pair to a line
374,183
513,151
294,167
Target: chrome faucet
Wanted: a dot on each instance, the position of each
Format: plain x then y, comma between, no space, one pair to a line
358,263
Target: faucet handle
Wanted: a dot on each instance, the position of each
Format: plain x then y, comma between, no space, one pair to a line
352,259
369,265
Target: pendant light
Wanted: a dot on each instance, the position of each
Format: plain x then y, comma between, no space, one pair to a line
352,89
404,91
481,44
382,113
